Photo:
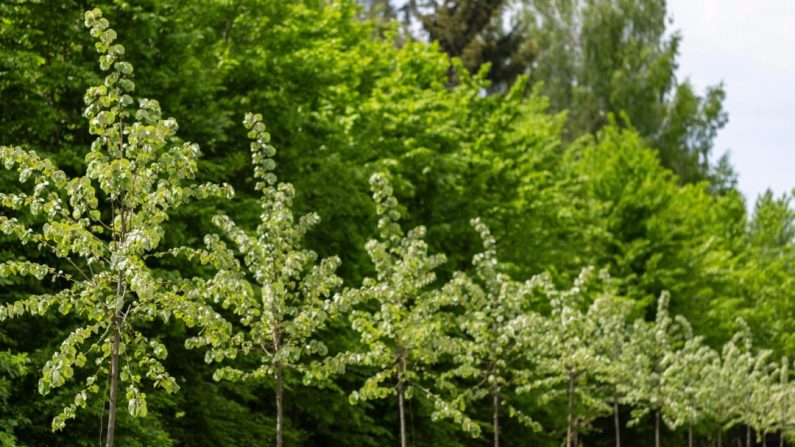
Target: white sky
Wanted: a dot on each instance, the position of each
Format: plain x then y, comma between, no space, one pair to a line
750,46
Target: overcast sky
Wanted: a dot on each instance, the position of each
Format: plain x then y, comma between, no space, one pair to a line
750,46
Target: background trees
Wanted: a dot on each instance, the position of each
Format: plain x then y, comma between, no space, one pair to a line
347,97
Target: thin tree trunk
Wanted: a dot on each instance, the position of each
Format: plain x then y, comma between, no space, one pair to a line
748,436
690,435
401,406
279,406
764,439
657,428
496,415
617,420
114,383
781,439
570,420
720,438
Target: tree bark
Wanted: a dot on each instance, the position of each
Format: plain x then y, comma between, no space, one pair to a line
401,405
657,428
690,435
720,438
748,436
496,415
570,419
617,421
781,439
279,406
114,382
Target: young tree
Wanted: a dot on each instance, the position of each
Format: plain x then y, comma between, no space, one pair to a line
648,356
499,334
279,317
102,229
609,315
569,353
684,377
398,317
781,416
727,381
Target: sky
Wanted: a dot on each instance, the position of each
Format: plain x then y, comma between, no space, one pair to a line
749,45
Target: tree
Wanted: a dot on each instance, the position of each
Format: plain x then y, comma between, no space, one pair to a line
607,57
570,357
684,376
649,357
103,229
397,315
478,33
499,334
609,315
279,318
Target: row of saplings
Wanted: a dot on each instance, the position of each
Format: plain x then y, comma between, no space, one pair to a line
479,339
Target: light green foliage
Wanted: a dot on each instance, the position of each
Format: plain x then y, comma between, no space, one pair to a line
397,314
500,333
572,345
649,355
279,295
102,228
684,378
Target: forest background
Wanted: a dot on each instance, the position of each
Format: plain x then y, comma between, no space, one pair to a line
564,127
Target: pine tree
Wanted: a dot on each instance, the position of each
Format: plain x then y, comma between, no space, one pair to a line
102,230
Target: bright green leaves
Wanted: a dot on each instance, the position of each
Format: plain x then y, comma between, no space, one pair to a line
143,171
278,293
494,355
397,314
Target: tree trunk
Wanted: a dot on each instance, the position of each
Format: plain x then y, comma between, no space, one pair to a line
748,436
657,428
496,415
114,382
720,438
401,406
617,421
570,419
279,406
781,439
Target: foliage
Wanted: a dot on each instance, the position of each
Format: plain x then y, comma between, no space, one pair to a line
102,228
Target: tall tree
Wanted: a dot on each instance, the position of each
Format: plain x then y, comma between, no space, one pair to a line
478,32
279,318
103,228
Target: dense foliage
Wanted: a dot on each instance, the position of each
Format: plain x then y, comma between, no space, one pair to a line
633,300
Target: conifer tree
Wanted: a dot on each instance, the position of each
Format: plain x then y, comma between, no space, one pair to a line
280,296
499,334
101,231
